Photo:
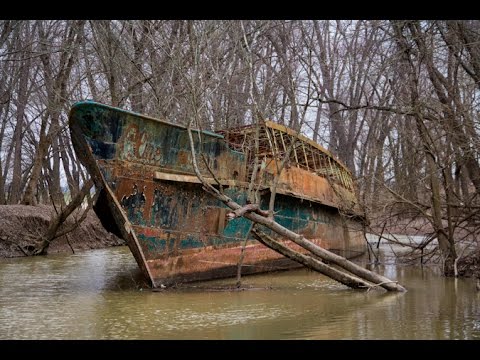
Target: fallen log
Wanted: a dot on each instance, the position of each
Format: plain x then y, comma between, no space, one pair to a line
310,262
322,253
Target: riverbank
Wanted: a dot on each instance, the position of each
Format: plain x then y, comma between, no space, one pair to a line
20,225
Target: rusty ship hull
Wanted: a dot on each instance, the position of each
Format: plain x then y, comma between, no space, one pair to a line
176,231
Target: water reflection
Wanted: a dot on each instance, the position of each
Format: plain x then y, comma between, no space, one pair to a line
100,295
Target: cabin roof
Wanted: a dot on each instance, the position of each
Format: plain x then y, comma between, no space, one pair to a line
248,129
303,138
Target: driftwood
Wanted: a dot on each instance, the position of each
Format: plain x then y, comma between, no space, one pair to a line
309,261
325,255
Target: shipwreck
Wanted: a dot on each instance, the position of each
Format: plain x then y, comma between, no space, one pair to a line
177,232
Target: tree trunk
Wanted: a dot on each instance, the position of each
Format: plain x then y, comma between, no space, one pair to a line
15,194
56,191
72,183
30,190
56,93
445,243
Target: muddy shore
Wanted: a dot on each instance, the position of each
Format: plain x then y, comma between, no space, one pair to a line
20,225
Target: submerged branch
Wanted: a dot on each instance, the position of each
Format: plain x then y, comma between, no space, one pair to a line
310,262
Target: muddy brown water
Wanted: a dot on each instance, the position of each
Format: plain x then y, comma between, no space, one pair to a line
98,294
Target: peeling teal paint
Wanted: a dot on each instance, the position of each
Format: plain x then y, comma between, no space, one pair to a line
237,228
153,244
113,133
191,242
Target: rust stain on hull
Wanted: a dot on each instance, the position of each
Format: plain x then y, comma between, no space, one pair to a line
210,262
175,230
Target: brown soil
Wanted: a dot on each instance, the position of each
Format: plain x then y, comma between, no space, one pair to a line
21,225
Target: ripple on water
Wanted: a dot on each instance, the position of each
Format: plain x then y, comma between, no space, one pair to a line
94,295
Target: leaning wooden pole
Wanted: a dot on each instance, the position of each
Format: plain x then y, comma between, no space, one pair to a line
324,254
258,216
253,213
310,262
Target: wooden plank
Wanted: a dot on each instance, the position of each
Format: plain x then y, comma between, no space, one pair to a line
160,175
177,177
283,191
305,154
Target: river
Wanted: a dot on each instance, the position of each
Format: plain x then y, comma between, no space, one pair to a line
98,294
